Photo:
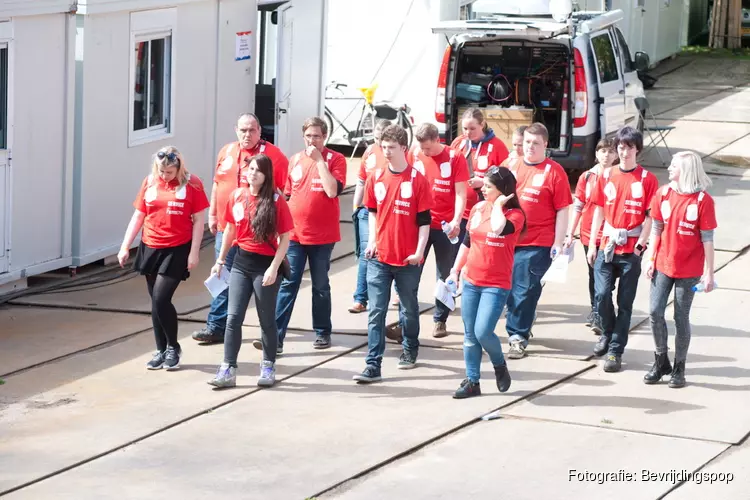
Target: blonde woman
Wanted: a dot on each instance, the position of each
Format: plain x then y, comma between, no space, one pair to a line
170,208
682,239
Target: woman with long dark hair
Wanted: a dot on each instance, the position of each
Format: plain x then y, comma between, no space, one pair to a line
258,219
485,263
170,209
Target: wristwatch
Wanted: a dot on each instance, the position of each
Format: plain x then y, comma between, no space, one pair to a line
641,248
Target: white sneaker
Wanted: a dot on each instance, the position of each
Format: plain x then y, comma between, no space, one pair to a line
267,374
516,351
226,376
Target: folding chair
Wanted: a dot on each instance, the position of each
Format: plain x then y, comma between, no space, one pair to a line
657,134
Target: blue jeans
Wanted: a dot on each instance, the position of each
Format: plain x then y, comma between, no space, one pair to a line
320,264
627,268
380,276
529,266
481,307
362,233
217,315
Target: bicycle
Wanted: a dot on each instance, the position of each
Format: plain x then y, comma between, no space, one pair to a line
371,113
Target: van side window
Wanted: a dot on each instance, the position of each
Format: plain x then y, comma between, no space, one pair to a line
605,58
627,62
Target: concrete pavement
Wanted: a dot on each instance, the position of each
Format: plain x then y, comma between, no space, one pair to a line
80,417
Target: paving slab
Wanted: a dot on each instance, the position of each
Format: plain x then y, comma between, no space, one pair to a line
728,476
305,435
568,450
730,106
59,414
736,154
708,73
713,137
664,100
33,335
736,275
718,387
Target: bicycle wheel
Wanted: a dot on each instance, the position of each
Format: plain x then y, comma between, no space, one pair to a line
329,122
405,123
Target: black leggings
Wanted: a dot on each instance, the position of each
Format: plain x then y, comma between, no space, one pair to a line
163,314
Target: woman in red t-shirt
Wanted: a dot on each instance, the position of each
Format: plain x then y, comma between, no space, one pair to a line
258,222
170,208
682,239
485,261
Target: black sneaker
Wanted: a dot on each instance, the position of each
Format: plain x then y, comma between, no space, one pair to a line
596,324
590,319
602,346
502,377
172,358
322,342
407,361
206,336
467,389
613,363
259,345
369,375
157,362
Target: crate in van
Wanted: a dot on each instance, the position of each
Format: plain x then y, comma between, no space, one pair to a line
504,121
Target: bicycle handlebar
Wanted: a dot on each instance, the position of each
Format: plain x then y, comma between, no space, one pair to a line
336,85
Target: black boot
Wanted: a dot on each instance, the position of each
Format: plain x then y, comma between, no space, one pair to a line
678,375
661,367
502,377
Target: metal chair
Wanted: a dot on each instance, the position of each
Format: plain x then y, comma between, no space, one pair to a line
657,134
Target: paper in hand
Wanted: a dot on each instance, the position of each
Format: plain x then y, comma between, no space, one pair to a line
558,271
217,284
444,295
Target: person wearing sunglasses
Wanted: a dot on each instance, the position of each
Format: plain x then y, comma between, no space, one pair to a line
231,167
485,264
316,178
259,220
170,208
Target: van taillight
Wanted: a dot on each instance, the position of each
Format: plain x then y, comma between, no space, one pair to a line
581,97
442,83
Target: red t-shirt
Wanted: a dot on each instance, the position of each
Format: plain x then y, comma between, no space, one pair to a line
624,197
231,169
398,198
680,253
443,172
584,188
315,215
169,210
372,158
490,260
240,210
542,190
489,154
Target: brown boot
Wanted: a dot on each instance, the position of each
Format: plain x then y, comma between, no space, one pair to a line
394,333
440,330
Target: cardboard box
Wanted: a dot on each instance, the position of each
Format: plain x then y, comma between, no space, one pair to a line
504,121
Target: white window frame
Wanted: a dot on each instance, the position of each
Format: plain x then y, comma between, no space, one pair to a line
146,26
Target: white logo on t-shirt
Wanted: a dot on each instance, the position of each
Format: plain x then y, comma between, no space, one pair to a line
378,173
588,190
636,190
419,166
181,193
227,164
691,214
610,191
476,220
482,163
297,172
380,191
370,162
538,180
406,190
666,209
238,211
445,169
150,194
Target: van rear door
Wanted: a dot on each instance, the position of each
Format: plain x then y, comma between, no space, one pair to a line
611,89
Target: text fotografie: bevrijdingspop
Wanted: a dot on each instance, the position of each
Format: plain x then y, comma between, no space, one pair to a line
644,475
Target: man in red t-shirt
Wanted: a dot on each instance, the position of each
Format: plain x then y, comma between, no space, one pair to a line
399,200
447,173
316,178
622,197
544,194
231,167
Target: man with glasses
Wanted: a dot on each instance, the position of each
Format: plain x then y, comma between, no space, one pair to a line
231,167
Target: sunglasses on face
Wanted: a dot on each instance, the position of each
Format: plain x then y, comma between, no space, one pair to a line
172,157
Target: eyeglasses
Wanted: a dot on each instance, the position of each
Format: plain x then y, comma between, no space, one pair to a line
172,157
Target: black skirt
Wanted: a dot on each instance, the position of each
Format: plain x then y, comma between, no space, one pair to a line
171,262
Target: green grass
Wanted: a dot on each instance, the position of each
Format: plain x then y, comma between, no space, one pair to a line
2,381
697,50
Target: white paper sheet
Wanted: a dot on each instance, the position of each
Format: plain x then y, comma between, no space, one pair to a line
558,271
444,295
216,284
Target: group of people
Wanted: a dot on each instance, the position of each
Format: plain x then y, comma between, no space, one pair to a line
495,218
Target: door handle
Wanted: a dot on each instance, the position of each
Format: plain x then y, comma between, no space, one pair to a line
622,92
282,110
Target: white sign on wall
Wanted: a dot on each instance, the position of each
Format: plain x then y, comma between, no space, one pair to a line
242,46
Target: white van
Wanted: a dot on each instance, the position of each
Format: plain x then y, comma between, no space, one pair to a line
576,77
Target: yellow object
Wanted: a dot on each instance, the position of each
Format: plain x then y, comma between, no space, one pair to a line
369,92
504,121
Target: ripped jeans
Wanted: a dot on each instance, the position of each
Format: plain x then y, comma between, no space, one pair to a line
481,307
